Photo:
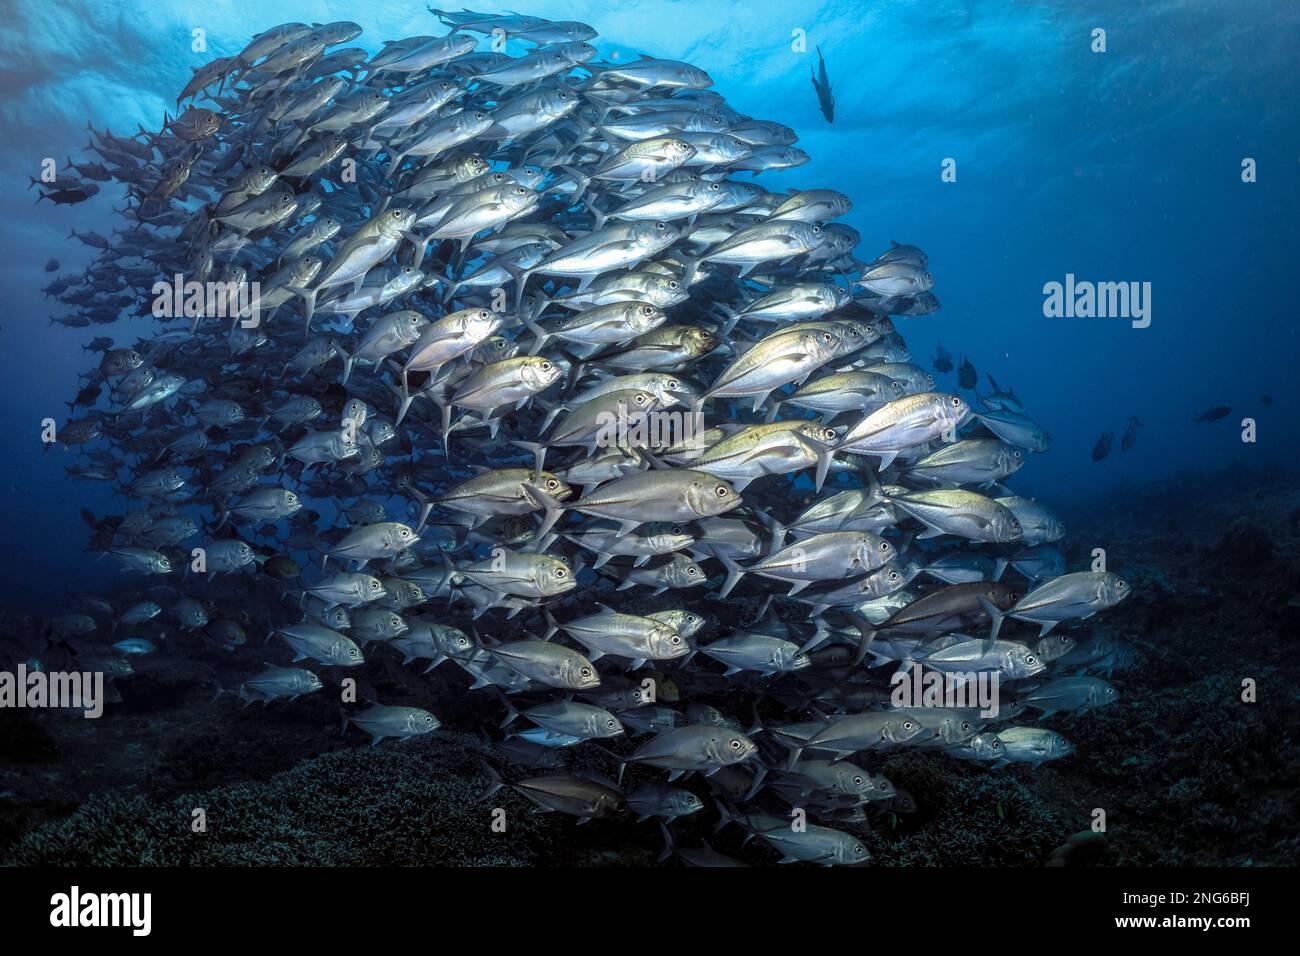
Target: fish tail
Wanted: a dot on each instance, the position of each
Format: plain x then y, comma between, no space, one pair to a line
734,574
494,781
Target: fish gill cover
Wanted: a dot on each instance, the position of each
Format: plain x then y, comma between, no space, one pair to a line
495,364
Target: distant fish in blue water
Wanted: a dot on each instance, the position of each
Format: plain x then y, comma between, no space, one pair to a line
822,84
1130,437
1213,414
68,192
942,359
967,377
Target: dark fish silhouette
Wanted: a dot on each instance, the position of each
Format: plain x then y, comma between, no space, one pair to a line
1266,399
1130,434
1102,448
281,567
52,265
70,195
822,84
967,377
1213,414
86,397
942,359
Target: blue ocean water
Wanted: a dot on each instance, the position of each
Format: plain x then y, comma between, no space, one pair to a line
1117,166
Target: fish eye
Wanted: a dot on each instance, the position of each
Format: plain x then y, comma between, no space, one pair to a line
397,214
672,284
692,570
884,546
965,727
676,638
1030,659
893,575
721,491
735,744
611,723
546,366
954,401
552,483
585,672
560,572
858,781
826,336
907,725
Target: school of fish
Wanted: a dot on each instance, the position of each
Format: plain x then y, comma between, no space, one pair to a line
481,350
